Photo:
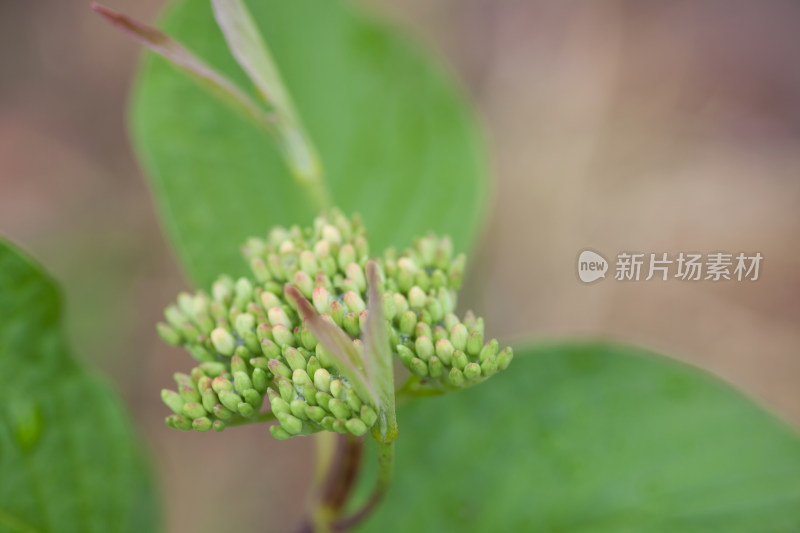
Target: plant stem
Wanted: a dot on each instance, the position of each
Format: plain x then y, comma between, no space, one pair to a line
259,418
385,471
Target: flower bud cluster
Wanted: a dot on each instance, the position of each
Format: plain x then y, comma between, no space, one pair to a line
250,343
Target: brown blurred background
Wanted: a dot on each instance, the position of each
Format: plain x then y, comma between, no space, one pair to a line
655,127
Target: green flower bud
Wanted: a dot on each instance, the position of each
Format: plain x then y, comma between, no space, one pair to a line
182,380
260,362
422,329
354,302
347,255
417,298
323,399
400,304
356,274
278,404
339,426
230,399
172,400
504,358
276,316
220,383
294,358
285,387
408,322
489,349
458,337
307,339
223,341
202,424
406,355
435,367
351,324
474,344
388,307
337,312
489,365
254,398
308,262
189,394
169,334
212,369
279,433
200,353
424,347
322,380
337,389
269,300
356,427
222,412
315,413
472,371
245,409
438,279
321,299
300,378
422,280
418,367
327,423
292,424
260,380
282,336
278,368
245,322
368,415
444,351
210,399
193,410
181,422
456,272
298,408
260,270
353,401
270,349
339,408
460,359
222,290
436,310
304,282
312,365
456,377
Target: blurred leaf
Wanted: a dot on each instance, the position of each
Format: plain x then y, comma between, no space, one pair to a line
593,438
69,461
395,137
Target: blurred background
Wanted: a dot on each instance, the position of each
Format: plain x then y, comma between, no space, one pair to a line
615,125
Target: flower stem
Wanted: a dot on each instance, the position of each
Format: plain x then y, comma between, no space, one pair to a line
385,472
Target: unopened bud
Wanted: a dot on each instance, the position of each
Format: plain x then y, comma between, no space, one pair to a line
202,424
356,427
223,341
282,336
172,400
504,358
354,302
169,334
458,337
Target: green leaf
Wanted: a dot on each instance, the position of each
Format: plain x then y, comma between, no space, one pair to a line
395,137
593,438
69,461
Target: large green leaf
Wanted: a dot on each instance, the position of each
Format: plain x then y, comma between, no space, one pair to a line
395,137
593,438
68,459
